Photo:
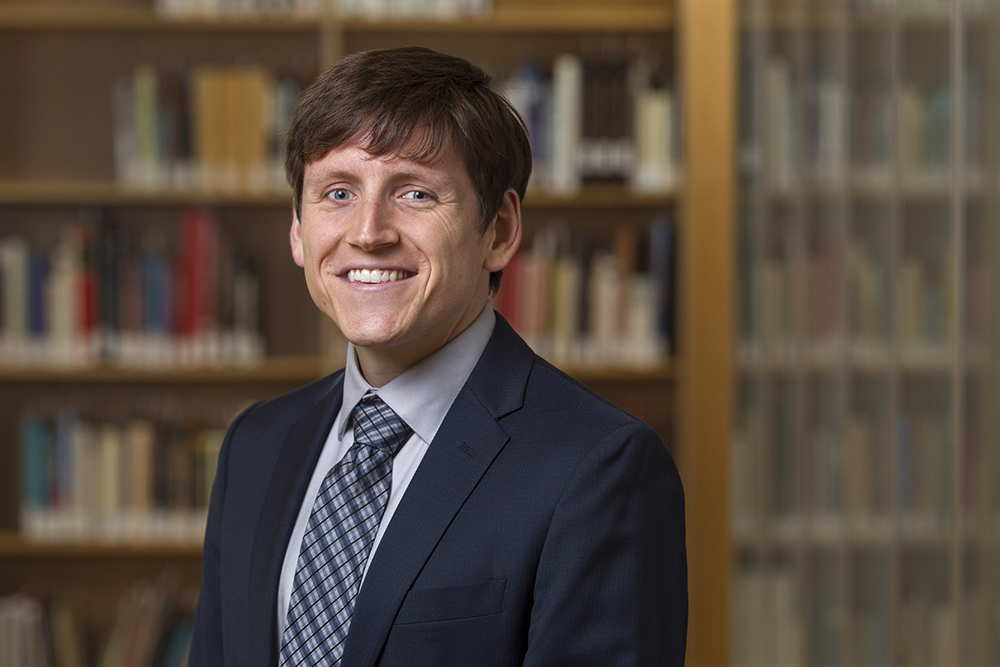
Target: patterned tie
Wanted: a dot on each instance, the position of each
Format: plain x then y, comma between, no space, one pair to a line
338,537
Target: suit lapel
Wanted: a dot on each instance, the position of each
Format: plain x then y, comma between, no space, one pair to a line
463,449
282,501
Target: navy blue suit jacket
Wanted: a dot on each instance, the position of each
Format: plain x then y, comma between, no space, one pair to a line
544,526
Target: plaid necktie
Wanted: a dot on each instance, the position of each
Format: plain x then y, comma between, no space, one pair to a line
338,537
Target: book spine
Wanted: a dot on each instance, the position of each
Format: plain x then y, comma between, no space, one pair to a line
566,123
136,482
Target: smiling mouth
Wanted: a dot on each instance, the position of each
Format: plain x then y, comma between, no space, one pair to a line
375,276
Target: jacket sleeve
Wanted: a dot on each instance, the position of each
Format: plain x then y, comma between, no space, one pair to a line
206,639
611,586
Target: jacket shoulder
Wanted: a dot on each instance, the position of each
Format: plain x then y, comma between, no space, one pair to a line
561,401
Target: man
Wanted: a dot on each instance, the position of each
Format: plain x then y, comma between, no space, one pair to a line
448,498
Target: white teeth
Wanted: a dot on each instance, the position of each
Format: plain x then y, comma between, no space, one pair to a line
373,276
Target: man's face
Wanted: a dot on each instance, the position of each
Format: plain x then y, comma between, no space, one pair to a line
392,250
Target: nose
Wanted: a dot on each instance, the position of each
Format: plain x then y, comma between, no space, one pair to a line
373,227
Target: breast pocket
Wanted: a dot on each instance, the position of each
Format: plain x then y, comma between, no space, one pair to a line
424,605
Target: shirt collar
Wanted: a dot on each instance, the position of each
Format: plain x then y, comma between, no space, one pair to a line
423,394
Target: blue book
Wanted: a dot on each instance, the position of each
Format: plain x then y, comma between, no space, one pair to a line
156,300
36,456
939,128
175,653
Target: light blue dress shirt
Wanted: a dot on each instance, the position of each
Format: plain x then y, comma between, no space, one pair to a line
422,396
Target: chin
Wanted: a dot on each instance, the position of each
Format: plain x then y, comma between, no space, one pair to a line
368,336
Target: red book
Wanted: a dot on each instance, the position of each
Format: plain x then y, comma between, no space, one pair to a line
197,272
88,283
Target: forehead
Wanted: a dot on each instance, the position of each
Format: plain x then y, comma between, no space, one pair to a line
444,164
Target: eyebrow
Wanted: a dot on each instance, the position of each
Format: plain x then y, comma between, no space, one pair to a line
429,176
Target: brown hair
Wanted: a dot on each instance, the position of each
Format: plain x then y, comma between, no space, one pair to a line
421,101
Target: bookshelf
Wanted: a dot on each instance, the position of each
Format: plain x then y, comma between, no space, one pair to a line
59,167
866,326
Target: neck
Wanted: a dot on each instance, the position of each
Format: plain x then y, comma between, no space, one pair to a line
380,365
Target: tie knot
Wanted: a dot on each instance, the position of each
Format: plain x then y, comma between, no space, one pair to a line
376,425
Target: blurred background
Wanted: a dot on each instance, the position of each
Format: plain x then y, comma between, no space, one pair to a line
768,228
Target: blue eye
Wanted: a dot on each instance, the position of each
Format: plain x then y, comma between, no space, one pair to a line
416,194
340,194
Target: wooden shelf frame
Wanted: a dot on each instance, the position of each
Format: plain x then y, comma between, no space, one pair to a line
513,19
14,545
280,370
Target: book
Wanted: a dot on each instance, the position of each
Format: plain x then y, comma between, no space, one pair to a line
577,300
655,128
66,631
135,481
154,296
566,124
24,638
599,120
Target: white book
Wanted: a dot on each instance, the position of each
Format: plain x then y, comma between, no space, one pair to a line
567,123
645,345
63,305
604,305
779,119
655,169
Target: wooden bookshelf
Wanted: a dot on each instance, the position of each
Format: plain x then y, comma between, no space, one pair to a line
56,162
861,508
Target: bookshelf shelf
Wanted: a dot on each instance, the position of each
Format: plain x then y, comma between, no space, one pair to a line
78,17
536,20
865,191
503,20
12,545
97,193
291,369
909,365
867,19
839,538
281,370
662,372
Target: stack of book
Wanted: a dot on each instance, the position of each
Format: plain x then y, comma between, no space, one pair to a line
137,481
597,121
215,128
580,303
105,294
152,629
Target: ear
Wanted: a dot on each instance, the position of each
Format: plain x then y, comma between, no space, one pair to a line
506,230
295,239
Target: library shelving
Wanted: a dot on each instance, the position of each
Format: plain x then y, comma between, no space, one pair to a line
80,166
864,443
